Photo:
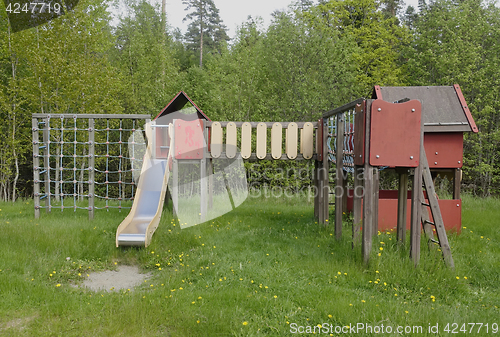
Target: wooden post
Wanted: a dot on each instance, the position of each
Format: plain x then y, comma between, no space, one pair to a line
326,172
415,218
367,235
36,167
457,177
368,213
376,193
402,205
46,163
357,197
339,175
91,168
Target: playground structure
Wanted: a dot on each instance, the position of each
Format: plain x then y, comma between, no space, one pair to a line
398,133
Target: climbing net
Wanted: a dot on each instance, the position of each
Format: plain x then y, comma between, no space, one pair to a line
347,118
86,161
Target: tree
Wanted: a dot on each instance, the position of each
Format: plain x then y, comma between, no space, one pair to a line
457,42
148,68
206,30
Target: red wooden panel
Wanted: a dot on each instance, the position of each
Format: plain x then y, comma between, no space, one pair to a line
444,149
395,133
451,210
359,134
189,140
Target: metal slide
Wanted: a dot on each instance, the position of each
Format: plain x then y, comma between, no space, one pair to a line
142,221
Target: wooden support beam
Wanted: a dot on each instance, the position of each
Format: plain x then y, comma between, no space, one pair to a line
326,171
415,217
376,193
357,197
91,168
46,163
368,213
339,175
36,167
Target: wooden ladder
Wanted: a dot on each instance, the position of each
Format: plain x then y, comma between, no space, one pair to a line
433,205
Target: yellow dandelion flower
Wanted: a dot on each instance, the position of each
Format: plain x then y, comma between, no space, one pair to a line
245,323
58,285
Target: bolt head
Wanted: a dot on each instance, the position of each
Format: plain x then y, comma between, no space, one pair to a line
459,161
379,109
412,110
436,153
435,163
377,156
411,157
458,205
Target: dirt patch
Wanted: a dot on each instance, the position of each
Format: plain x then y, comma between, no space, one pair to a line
19,323
126,277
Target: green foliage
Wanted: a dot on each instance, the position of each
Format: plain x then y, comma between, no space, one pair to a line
144,55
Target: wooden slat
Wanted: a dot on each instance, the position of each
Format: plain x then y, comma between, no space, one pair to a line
301,144
246,140
276,141
231,140
269,125
46,164
261,140
216,141
291,141
308,141
428,228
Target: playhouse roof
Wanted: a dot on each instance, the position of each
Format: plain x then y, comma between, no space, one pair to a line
177,103
443,107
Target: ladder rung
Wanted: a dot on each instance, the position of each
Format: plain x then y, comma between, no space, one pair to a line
425,204
434,241
430,222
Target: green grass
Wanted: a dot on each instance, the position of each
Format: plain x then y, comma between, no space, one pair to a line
251,272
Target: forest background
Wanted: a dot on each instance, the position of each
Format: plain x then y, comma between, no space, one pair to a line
313,57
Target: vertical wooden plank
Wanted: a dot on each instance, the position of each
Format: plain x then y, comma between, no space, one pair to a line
276,140
415,217
457,180
301,144
367,234
291,140
261,140
46,163
402,205
357,197
231,140
308,140
339,174
246,140
326,171
36,167
216,141
376,192
91,167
